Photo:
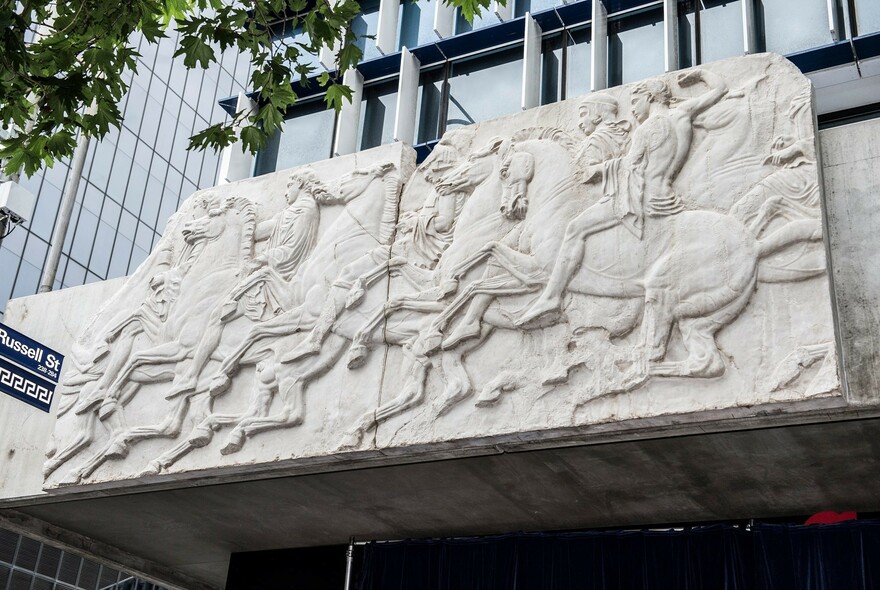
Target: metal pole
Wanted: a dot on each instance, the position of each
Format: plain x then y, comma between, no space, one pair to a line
349,560
64,214
4,218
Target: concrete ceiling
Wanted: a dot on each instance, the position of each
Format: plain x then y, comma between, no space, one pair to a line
734,475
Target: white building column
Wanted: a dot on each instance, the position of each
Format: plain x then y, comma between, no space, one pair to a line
599,47
236,163
407,97
386,34
531,83
750,28
444,19
670,35
350,116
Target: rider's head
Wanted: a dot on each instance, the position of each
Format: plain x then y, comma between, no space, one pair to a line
595,109
646,93
306,181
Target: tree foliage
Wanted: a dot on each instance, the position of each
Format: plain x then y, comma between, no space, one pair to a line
64,65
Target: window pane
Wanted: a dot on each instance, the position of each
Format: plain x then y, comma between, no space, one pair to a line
578,69
428,105
635,47
551,69
416,23
367,23
304,138
721,30
291,38
794,25
867,16
378,109
485,19
520,7
484,88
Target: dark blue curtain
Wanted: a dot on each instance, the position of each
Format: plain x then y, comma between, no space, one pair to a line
843,556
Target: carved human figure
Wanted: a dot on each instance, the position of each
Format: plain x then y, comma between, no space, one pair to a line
423,236
637,185
607,137
291,236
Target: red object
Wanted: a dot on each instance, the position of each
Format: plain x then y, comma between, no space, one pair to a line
830,517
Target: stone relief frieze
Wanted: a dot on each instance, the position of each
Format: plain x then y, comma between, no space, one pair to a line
650,250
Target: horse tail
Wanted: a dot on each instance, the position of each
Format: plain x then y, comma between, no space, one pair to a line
391,184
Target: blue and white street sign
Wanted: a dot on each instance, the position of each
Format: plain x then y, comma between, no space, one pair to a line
29,371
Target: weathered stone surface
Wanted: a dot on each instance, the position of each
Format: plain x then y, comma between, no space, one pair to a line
649,254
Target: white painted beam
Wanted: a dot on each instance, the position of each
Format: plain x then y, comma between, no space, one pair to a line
834,20
407,97
670,35
386,34
350,116
599,47
444,19
531,82
236,163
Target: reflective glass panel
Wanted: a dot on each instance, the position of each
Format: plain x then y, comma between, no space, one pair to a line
551,69
794,25
378,109
578,68
867,16
293,37
485,87
305,137
484,19
428,105
520,7
417,23
364,25
635,47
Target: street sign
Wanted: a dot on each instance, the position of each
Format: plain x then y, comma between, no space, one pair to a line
29,371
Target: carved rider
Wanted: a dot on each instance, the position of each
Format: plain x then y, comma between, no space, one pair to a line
291,236
636,185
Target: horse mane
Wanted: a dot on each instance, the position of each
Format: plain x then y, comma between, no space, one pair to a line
391,184
553,134
248,213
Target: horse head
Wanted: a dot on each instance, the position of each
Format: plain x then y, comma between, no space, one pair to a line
517,170
471,173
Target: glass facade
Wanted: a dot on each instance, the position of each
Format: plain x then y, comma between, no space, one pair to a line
133,179
485,87
482,77
867,16
26,564
784,34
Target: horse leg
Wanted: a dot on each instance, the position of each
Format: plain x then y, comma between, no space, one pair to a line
187,381
169,352
292,390
413,393
84,436
486,291
458,382
546,310
264,392
360,344
278,326
704,359
657,322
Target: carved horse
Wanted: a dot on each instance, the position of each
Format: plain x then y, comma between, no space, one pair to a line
291,375
369,197
696,269
216,248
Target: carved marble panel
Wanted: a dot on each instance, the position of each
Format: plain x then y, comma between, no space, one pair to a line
647,252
